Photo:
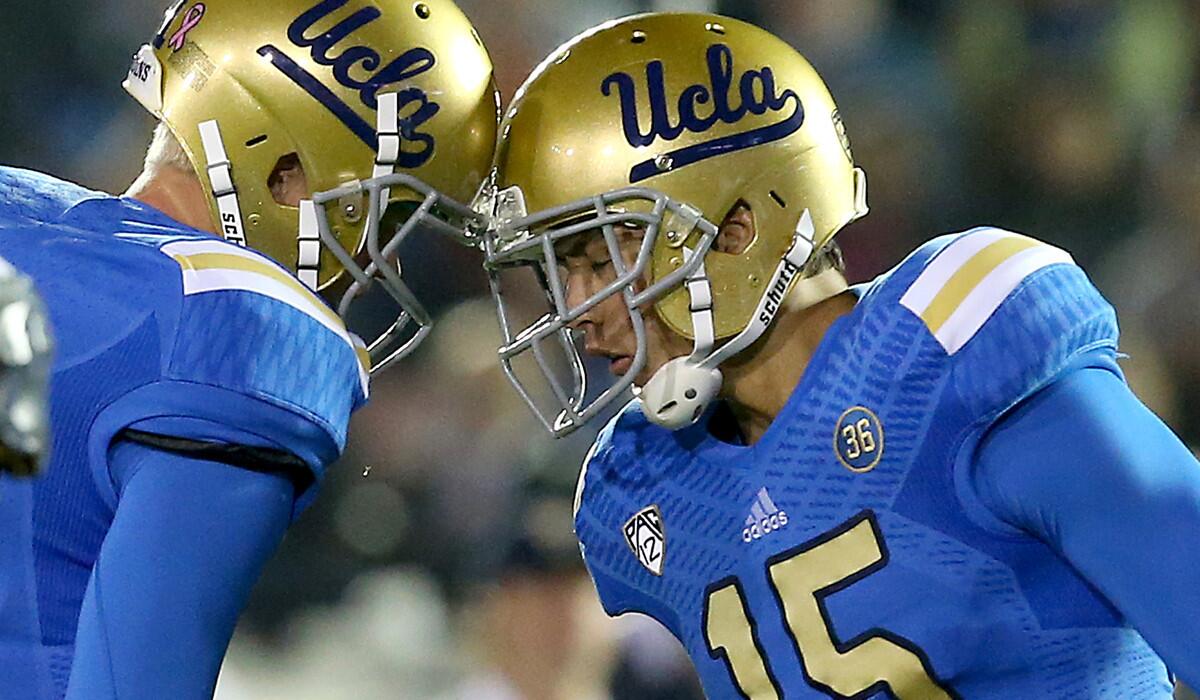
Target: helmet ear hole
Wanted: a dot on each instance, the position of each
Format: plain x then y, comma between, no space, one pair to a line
287,181
738,231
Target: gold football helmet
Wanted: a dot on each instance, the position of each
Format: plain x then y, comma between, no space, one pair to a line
383,103
667,122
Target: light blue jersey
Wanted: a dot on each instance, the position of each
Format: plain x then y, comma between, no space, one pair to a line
164,330
849,553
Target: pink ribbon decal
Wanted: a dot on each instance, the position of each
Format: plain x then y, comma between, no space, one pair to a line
194,14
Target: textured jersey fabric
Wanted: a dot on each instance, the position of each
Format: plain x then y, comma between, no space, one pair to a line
848,553
160,328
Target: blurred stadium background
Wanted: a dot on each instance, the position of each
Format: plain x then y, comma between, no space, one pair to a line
451,572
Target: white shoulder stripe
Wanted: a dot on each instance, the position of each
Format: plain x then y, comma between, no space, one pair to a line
579,485
946,263
983,300
962,287
212,280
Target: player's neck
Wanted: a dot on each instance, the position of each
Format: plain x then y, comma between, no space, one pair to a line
176,193
760,381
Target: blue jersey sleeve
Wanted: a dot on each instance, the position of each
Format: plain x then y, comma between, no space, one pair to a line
187,544
1011,314
1085,467
256,359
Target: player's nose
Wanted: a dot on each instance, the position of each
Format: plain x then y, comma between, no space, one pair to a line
577,293
575,288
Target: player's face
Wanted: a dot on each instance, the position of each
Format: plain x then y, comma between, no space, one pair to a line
586,267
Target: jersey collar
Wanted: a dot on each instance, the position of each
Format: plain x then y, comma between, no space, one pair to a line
725,454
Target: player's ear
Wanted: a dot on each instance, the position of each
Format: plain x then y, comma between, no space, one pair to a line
737,230
287,181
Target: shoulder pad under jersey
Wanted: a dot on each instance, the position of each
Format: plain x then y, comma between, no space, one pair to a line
1010,311
26,195
256,358
250,326
629,450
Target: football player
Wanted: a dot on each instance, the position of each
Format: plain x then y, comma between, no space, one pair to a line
201,384
934,485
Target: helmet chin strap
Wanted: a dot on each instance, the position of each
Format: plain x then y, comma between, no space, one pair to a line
680,391
220,179
387,152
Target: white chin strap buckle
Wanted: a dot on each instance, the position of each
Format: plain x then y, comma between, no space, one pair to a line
387,151
308,262
679,392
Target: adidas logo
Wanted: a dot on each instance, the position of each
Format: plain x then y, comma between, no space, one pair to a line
765,517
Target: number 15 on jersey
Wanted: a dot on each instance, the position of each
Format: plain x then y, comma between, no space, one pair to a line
801,578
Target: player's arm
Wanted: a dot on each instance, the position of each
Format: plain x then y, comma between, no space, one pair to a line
1085,466
190,535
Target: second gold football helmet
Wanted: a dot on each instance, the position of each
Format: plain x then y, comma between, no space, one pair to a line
388,102
667,122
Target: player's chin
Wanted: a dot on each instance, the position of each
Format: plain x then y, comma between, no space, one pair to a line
645,375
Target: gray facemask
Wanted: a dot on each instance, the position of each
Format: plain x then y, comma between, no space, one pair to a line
435,213
517,240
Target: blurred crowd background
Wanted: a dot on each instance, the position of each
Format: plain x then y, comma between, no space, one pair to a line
451,570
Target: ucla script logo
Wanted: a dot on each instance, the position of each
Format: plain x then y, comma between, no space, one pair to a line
416,107
755,94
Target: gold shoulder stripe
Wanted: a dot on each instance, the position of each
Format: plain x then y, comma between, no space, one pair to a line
967,278
229,261
962,286
364,357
